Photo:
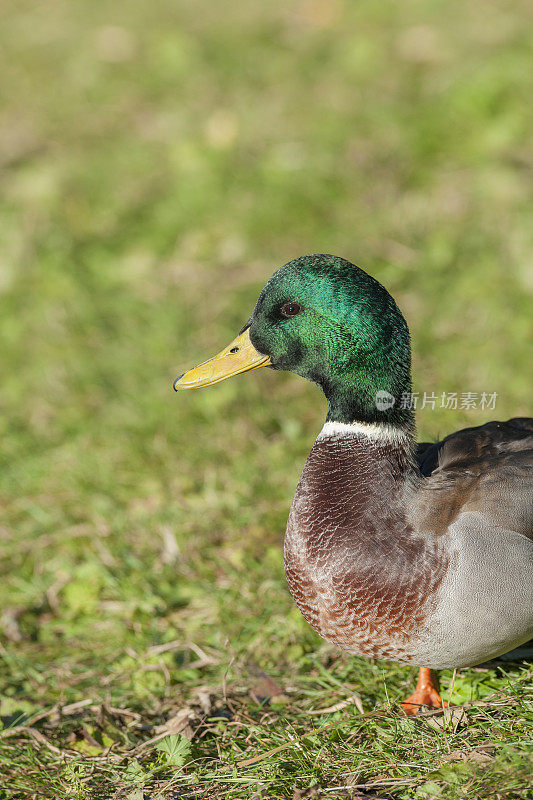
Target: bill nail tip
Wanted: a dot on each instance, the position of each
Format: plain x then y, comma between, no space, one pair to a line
174,385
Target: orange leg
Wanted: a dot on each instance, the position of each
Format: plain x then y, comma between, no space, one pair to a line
425,694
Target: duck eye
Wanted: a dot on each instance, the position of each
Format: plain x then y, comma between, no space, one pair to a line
290,309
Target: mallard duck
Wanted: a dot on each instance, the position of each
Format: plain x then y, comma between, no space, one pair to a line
418,555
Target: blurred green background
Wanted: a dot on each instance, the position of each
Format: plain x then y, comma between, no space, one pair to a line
158,161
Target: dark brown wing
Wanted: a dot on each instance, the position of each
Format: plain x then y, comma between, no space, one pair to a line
486,469
462,447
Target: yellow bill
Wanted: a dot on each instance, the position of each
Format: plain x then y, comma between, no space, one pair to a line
239,356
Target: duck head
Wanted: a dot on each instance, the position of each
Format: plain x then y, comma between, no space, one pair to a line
327,320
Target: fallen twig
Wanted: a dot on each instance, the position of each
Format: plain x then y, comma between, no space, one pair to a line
353,699
38,736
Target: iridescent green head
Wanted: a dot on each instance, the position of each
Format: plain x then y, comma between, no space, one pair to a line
328,321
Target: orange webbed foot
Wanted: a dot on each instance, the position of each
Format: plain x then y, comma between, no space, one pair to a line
425,694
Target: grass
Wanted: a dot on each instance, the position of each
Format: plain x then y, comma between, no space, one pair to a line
159,160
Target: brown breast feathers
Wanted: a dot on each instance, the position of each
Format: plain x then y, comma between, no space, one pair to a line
358,572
